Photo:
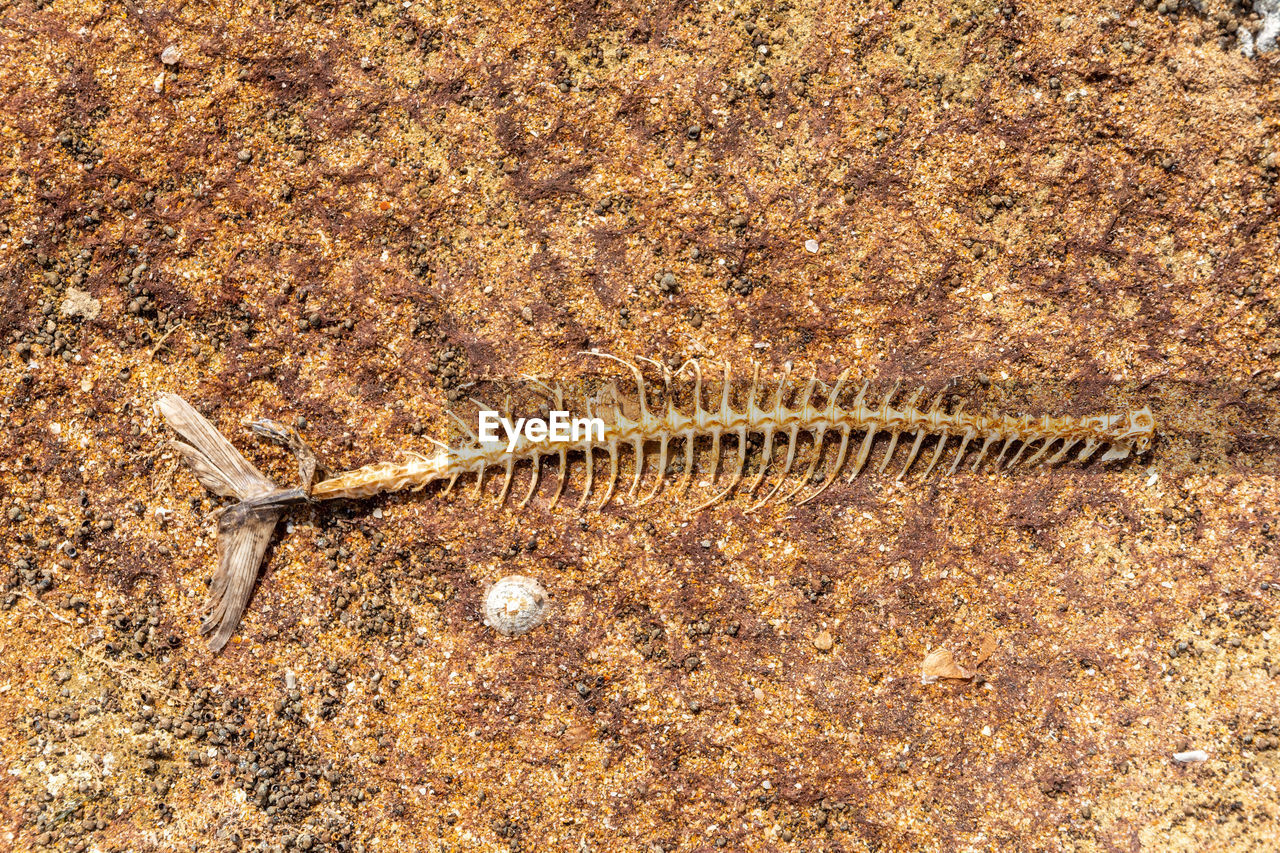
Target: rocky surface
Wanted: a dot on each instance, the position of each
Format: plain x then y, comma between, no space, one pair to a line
340,214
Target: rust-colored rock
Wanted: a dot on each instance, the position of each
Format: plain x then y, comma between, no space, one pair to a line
1065,211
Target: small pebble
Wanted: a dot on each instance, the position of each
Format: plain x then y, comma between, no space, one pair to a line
80,303
171,55
1195,756
823,642
245,155
811,246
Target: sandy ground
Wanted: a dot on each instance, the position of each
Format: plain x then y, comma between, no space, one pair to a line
339,215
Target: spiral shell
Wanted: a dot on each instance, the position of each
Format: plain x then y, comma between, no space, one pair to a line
516,604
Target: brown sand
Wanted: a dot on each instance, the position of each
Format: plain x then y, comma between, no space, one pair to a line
344,211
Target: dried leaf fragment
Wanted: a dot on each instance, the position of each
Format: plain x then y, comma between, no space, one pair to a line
989,647
940,663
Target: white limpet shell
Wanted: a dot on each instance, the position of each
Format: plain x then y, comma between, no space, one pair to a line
516,604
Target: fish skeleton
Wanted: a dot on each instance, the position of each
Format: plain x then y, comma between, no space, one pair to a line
811,408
